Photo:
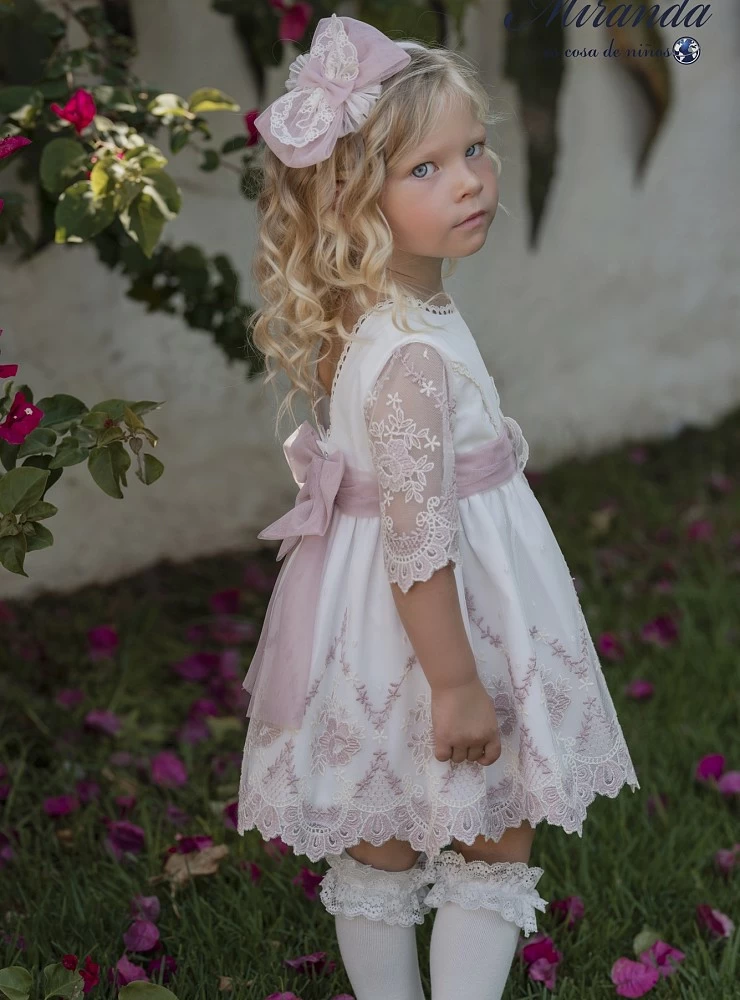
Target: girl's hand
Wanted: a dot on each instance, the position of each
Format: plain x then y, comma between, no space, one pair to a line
465,724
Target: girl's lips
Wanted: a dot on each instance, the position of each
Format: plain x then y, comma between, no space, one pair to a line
472,218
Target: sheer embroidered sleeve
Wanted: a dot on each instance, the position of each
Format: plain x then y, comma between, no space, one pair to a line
408,414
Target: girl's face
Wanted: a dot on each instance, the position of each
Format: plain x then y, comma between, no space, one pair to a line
433,189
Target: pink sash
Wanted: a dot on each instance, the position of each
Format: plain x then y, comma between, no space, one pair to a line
277,679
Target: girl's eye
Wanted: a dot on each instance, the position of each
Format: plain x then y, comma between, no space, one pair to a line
421,177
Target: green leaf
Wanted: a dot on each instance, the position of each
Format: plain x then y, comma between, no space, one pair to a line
139,990
62,982
41,538
210,99
21,488
12,553
41,510
236,142
14,98
15,981
164,192
143,221
69,453
60,411
61,161
79,215
153,469
108,468
211,160
40,441
179,137
169,104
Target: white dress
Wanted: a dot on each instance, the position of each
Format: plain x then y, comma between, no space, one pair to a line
362,764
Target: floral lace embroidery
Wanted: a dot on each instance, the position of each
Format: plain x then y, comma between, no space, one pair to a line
354,889
408,416
506,886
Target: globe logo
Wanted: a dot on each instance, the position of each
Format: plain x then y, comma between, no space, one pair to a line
686,51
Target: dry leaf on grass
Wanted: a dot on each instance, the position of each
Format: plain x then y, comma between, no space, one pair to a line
179,868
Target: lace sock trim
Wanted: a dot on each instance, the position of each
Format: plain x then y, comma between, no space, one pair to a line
506,886
357,890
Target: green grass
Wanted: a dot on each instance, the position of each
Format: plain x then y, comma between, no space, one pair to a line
632,870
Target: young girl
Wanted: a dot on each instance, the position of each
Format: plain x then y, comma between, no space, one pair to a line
425,677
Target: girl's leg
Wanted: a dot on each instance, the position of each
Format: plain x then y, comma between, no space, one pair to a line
485,894
375,894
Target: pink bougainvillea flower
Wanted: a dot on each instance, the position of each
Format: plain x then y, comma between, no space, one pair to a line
700,530
570,909
166,963
187,845
726,858
145,907
316,962
126,972
230,815
717,923
61,805
90,971
639,690
729,783
663,957
661,631
225,602
193,731
253,136
125,804
176,815
541,958
142,935
276,847
608,645
69,697
123,837
168,770
79,110
21,419
309,881
87,790
11,143
296,16
103,721
7,371
633,979
202,707
710,766
197,667
103,641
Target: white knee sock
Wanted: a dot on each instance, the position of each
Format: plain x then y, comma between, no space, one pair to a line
470,953
380,959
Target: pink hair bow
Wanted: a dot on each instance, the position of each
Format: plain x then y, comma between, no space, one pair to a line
331,90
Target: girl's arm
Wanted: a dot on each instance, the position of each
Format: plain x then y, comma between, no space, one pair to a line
408,416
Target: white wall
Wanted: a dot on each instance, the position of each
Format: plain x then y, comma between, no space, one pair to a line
623,324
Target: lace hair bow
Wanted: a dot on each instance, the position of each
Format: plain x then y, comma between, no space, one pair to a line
331,89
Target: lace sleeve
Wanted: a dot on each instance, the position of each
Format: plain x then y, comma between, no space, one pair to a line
408,418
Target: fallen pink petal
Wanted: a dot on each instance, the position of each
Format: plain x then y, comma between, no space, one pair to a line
61,805
142,935
639,690
126,972
729,783
663,957
11,143
168,770
633,979
717,923
710,766
145,907
103,721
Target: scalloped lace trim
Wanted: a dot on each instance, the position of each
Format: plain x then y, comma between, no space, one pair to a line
357,890
506,886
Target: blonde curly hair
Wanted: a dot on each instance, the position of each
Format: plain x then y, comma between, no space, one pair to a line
322,237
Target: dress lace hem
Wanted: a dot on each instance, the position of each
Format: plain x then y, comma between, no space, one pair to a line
427,826
357,890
